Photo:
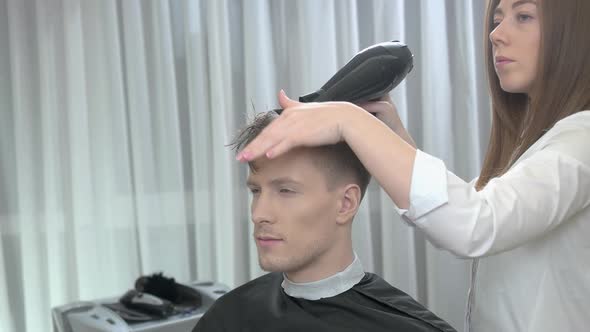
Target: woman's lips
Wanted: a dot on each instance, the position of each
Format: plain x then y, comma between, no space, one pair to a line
502,61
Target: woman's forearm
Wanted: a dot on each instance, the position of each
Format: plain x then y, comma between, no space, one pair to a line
387,156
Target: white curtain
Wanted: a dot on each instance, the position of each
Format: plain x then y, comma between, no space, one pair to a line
114,117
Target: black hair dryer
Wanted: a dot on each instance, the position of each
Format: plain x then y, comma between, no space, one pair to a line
369,75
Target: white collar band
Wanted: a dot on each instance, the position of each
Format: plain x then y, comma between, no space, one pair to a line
328,287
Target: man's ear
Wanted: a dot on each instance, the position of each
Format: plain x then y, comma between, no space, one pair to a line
350,201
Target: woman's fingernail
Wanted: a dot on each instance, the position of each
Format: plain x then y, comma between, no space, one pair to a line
242,156
285,94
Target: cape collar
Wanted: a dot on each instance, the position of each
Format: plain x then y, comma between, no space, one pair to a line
328,287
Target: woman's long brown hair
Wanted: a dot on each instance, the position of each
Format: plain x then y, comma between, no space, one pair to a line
561,87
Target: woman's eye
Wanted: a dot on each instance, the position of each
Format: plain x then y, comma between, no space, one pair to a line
286,191
524,17
254,191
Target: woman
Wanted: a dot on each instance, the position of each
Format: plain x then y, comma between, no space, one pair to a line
525,220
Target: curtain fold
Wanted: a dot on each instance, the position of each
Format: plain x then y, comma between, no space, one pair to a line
114,121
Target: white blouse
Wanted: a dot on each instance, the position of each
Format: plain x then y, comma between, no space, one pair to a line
528,230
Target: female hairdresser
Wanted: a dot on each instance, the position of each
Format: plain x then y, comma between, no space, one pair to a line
526,219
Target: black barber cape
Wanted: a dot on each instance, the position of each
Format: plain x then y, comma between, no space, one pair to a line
371,305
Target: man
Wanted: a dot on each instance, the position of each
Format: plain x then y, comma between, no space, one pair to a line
303,205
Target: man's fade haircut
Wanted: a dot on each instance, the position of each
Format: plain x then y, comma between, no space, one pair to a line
335,160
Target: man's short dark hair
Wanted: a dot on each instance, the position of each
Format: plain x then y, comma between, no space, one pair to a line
337,161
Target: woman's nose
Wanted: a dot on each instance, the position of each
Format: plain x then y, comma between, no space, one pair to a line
498,35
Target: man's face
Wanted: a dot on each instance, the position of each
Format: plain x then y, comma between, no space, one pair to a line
293,211
516,43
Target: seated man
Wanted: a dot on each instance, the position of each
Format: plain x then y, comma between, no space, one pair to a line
303,205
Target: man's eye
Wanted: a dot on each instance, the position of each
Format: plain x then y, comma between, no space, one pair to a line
286,191
254,191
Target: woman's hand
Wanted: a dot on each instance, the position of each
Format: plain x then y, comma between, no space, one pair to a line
301,124
384,109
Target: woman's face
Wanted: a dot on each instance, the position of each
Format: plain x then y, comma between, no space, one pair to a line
516,44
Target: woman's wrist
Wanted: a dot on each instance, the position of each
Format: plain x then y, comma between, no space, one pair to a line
354,118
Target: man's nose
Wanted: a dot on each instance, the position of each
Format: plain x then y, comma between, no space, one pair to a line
262,209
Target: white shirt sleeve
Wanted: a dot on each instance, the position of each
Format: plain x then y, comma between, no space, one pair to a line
428,186
538,193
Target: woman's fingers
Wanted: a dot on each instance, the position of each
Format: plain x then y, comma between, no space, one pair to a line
281,147
377,107
268,137
386,97
285,101
300,124
280,136
261,144
384,110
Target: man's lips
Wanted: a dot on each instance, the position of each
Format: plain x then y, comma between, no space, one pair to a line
268,240
267,237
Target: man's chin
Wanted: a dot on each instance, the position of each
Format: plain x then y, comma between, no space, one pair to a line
269,265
